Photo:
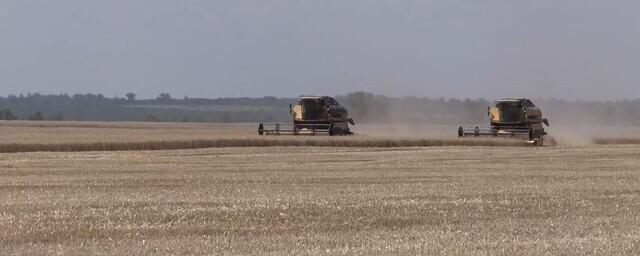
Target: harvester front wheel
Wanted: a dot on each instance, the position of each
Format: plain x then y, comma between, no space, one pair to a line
537,136
339,130
333,130
261,129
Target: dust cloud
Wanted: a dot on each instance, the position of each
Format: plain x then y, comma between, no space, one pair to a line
563,135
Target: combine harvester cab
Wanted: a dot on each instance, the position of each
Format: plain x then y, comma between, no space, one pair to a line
312,115
511,117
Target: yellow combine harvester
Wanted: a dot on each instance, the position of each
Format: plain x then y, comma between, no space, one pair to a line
511,117
312,115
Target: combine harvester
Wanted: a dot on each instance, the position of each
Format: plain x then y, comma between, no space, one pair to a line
312,115
511,117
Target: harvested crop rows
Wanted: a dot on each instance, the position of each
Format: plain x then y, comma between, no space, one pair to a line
323,200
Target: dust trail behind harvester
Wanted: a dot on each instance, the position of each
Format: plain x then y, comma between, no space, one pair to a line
561,134
571,122
400,130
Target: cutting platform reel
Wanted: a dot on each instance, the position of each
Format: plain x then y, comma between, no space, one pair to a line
531,135
303,129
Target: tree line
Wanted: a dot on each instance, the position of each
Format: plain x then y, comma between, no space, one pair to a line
363,107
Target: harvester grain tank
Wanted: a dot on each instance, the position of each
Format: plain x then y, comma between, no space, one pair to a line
511,117
312,115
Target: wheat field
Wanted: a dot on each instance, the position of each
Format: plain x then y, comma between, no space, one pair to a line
29,132
23,136
279,200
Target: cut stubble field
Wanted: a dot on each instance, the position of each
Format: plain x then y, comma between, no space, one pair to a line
453,200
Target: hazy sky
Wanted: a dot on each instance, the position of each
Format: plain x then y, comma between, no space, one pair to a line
229,48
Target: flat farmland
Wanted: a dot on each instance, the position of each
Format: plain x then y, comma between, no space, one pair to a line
89,132
49,132
447,200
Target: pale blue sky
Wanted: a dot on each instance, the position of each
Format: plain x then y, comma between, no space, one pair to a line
231,48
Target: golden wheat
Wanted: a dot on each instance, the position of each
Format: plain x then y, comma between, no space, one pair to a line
218,143
104,136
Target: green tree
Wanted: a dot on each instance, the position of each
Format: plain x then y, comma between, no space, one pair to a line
57,117
131,96
164,97
226,118
7,115
151,118
361,105
37,116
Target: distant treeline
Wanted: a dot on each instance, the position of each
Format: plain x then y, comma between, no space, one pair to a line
96,107
364,107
